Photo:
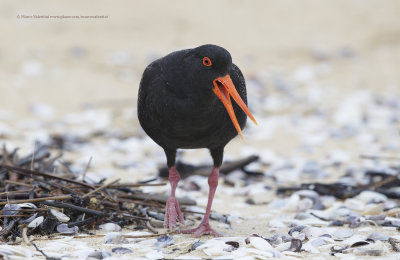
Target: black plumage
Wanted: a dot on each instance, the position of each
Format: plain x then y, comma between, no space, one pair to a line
179,106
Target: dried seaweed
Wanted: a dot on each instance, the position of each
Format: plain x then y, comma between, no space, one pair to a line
30,194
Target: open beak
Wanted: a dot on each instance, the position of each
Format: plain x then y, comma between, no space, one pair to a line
224,89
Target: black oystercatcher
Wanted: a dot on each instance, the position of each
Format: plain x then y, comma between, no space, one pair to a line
185,102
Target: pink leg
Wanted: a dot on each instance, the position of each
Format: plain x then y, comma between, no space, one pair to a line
172,210
204,228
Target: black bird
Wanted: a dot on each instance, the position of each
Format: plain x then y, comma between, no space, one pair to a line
184,102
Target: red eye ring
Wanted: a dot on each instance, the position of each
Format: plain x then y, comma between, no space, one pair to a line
207,62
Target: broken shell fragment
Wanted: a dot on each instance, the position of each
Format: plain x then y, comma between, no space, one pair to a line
59,215
164,241
121,250
373,210
36,222
114,238
260,243
64,229
110,227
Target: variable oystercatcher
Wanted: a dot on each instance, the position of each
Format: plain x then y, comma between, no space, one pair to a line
184,102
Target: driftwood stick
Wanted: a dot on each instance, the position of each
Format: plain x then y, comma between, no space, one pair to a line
18,183
150,203
13,192
126,215
83,222
24,236
129,236
383,182
101,188
35,200
132,185
87,168
29,172
157,197
76,208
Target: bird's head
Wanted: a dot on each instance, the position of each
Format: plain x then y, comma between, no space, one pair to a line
213,66
204,71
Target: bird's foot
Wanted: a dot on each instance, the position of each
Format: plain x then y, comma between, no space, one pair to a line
172,212
203,229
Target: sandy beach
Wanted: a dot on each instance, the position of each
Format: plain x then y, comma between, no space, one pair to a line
315,70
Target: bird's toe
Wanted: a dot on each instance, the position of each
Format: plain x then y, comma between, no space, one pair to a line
201,230
172,212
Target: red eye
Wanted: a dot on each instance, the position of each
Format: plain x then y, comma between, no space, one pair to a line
207,62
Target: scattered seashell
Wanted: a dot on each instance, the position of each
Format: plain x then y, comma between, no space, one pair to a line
274,240
317,242
336,223
28,220
295,245
156,223
339,249
308,247
367,252
214,247
395,212
378,236
98,254
296,229
354,204
121,250
371,197
373,210
156,215
260,243
377,218
64,229
302,215
154,254
393,222
235,244
11,209
220,217
164,241
360,243
110,227
283,247
313,232
196,245
114,238
353,239
36,222
14,252
342,233
59,215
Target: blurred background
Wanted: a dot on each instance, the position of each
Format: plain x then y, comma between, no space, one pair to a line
316,71
323,82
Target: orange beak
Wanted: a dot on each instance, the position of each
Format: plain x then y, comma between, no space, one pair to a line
224,89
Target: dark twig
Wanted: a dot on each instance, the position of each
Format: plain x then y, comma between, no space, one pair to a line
100,188
76,208
40,251
393,244
157,197
36,200
29,172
